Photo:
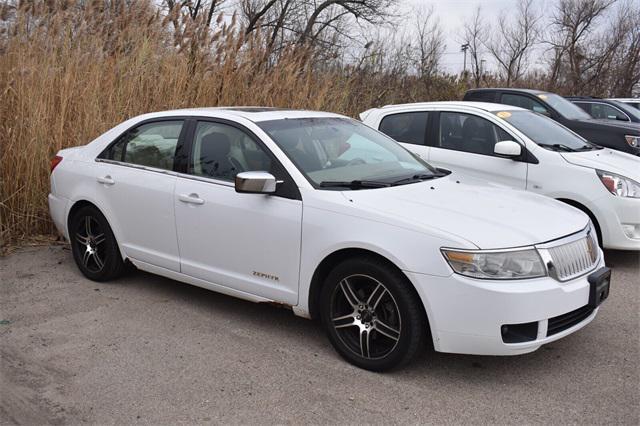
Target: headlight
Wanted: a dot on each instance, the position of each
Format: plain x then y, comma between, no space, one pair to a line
500,265
619,185
633,141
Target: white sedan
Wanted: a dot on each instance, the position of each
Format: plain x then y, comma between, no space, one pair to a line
323,214
523,150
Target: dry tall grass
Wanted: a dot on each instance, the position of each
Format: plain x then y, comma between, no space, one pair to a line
69,74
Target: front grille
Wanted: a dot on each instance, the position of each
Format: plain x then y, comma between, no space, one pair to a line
575,258
568,320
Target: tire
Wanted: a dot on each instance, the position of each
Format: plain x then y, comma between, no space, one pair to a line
372,315
93,245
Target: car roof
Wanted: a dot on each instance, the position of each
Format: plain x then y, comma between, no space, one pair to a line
507,89
625,99
252,113
485,106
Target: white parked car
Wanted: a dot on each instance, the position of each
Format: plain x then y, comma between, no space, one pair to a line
321,213
523,150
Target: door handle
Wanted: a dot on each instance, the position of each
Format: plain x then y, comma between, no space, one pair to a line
191,199
107,180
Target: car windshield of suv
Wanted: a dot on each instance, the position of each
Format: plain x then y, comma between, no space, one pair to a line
546,132
335,152
564,107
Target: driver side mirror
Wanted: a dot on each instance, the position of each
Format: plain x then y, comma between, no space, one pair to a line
508,149
255,183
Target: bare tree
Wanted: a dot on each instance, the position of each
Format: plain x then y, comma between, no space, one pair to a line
625,71
429,44
475,36
325,13
571,26
513,40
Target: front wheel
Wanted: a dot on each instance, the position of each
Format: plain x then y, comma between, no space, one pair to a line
372,315
94,246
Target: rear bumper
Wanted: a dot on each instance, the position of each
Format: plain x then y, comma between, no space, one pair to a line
58,211
466,315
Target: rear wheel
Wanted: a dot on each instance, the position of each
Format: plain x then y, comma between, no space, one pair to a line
372,315
94,247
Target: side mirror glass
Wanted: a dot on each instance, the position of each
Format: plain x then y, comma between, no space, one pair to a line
509,149
255,183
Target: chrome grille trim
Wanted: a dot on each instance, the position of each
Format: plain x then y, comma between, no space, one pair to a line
571,257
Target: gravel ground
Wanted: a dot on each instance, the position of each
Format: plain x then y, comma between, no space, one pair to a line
150,350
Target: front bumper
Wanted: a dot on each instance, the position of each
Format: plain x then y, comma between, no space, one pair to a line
466,315
619,220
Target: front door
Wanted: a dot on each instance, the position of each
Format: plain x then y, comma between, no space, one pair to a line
246,242
465,144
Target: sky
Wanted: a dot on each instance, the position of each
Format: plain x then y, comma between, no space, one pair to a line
453,13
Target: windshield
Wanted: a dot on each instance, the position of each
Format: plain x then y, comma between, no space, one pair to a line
564,107
333,152
545,132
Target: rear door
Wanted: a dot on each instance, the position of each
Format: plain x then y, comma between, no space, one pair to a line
465,142
135,183
409,128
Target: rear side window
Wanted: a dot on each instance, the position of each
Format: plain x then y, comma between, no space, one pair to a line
585,106
409,127
480,96
151,145
523,102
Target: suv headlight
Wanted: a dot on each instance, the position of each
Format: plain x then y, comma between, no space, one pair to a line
496,265
619,185
633,141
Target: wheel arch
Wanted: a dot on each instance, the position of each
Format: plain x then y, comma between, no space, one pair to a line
83,202
588,212
331,260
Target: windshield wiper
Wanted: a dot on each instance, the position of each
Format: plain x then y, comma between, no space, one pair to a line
354,184
559,147
419,178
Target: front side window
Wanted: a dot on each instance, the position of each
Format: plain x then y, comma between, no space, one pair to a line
329,150
607,112
151,145
469,133
409,127
524,102
221,151
545,132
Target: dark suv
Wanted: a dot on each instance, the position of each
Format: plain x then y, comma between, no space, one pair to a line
606,109
623,136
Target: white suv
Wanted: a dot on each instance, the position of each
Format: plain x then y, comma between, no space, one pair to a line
524,150
321,213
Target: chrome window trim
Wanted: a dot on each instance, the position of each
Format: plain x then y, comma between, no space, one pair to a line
167,172
136,166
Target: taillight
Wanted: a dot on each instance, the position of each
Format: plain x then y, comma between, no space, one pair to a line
55,161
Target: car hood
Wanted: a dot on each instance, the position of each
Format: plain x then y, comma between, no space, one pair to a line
634,128
488,217
608,160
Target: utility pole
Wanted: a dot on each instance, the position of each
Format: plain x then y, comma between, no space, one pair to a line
464,49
